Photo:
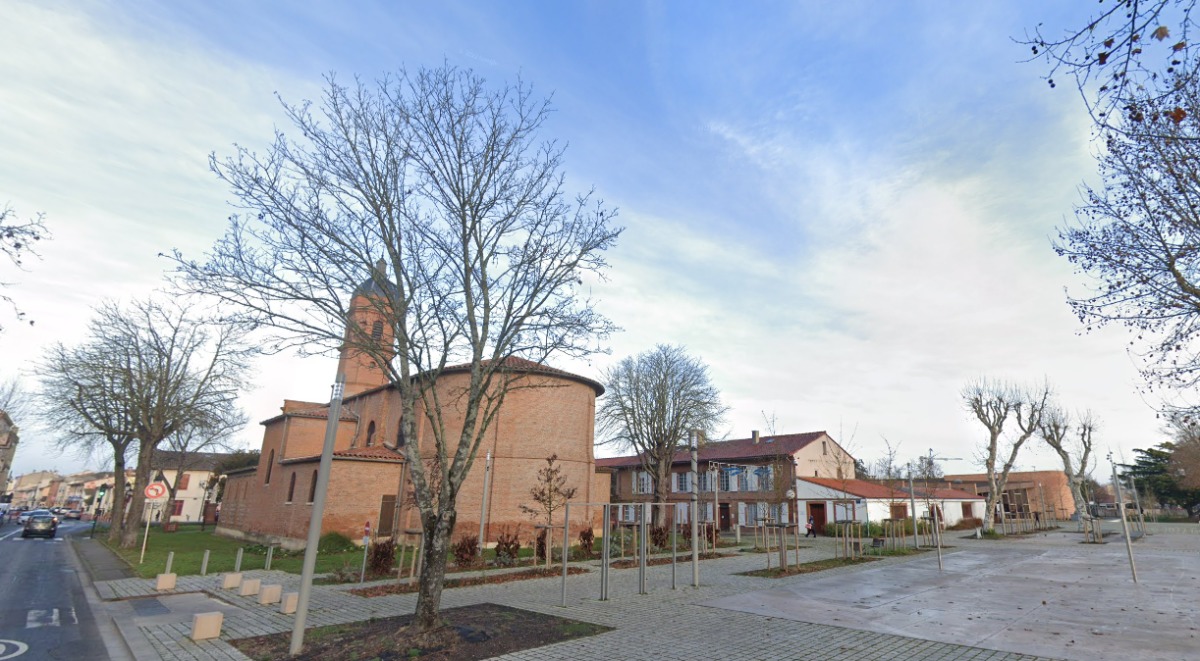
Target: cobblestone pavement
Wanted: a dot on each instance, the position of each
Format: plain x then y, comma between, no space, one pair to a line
664,624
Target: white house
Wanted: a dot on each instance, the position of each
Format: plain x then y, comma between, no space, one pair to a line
828,500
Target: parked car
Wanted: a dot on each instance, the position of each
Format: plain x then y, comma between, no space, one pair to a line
25,516
73,514
41,525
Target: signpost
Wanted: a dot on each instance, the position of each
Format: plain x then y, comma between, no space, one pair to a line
153,491
366,545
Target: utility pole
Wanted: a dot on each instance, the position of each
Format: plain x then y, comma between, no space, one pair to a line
318,509
694,442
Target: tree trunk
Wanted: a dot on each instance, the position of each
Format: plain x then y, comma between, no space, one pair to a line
117,525
662,491
129,536
437,531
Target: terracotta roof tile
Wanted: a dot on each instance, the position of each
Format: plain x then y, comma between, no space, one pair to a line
860,488
740,449
374,452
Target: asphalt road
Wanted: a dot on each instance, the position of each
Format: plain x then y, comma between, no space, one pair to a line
43,611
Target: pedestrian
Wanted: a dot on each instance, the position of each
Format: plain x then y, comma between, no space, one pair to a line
812,531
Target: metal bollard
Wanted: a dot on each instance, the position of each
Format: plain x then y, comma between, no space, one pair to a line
204,564
237,564
270,554
170,561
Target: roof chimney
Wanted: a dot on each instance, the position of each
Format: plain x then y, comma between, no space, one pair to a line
754,436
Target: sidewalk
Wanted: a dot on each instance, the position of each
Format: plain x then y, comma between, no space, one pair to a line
664,624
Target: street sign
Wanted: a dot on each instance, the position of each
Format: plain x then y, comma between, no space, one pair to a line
156,490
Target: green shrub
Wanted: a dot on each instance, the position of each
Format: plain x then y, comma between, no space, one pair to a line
382,557
466,551
660,536
334,542
508,548
587,539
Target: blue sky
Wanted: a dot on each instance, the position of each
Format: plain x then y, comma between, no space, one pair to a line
844,208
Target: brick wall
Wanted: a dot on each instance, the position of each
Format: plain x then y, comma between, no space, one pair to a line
545,415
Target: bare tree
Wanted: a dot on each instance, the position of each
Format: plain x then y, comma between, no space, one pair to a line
1077,460
1119,54
550,493
994,404
17,240
484,256
653,400
190,446
150,371
1137,236
81,397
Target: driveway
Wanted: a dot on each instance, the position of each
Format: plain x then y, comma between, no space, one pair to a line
1046,595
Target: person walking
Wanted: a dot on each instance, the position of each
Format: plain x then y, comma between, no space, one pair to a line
812,531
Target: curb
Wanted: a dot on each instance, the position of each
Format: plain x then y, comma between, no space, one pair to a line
116,643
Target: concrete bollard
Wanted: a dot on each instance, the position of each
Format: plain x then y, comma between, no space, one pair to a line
237,564
165,582
170,561
250,587
204,564
231,581
207,625
270,594
288,603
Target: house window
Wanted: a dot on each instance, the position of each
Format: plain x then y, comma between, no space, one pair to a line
723,479
764,481
824,448
377,331
371,434
184,480
704,481
642,483
681,513
312,488
270,466
743,481
177,508
291,488
683,482
967,511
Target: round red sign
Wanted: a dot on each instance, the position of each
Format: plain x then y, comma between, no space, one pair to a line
155,490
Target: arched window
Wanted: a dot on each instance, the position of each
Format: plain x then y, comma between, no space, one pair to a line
312,488
371,434
377,331
291,487
270,466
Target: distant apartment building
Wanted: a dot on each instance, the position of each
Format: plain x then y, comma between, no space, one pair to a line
741,482
8,448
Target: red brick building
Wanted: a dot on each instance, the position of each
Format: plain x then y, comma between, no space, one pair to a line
548,411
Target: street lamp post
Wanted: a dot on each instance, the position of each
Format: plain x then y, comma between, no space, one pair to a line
96,512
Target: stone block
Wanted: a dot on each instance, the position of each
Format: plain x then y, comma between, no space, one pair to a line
249,587
165,582
207,625
270,594
231,581
289,602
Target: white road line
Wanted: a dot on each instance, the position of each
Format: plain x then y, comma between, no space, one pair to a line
17,530
11,649
42,618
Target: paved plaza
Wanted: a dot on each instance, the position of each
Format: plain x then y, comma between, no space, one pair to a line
1043,597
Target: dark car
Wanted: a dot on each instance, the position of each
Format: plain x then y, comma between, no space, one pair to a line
40,525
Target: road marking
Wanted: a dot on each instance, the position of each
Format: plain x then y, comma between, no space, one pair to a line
12,648
49,618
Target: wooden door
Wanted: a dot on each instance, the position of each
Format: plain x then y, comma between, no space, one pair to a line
817,512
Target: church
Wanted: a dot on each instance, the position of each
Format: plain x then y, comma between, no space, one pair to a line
552,413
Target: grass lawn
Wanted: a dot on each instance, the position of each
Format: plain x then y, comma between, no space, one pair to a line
190,542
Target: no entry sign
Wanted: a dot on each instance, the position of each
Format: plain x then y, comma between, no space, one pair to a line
156,490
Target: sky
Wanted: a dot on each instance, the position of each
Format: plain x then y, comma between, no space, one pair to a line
844,209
